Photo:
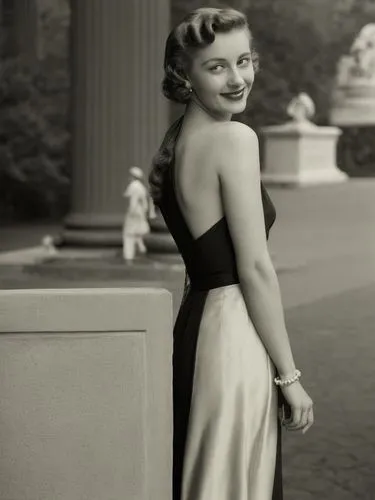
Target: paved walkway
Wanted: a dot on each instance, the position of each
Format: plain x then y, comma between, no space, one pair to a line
324,248
333,343
21,235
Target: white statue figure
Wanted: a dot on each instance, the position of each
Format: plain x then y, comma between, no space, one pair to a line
48,245
301,108
135,221
362,52
359,65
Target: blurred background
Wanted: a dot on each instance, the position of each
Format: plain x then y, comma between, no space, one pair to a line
80,103
299,43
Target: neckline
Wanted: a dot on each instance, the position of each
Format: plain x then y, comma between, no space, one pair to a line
175,137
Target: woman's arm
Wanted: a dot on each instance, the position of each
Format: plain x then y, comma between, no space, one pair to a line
239,175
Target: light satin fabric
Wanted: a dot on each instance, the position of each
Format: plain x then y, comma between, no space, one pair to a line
232,434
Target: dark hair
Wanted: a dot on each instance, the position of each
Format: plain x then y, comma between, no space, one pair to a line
196,31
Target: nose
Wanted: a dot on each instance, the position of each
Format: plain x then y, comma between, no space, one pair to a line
235,79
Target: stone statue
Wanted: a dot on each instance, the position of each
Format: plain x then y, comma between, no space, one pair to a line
48,245
343,71
353,95
360,63
301,108
136,224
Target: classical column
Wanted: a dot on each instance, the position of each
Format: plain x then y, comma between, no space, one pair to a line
118,112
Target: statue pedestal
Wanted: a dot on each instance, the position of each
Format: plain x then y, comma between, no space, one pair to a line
354,105
300,153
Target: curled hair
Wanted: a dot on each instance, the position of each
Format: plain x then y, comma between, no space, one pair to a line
196,31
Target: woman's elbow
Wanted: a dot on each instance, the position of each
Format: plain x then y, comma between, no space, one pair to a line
260,268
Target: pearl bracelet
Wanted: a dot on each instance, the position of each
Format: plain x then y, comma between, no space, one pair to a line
288,381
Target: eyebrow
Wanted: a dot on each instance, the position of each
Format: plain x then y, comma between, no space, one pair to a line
223,59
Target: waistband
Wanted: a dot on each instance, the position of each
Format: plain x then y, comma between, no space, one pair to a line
208,282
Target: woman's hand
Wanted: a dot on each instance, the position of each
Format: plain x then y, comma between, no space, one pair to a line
302,417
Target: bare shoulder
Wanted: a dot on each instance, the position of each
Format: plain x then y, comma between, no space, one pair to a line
235,131
230,133
227,147
236,146
226,135
234,134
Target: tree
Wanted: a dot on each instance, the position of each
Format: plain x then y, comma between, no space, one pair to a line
34,173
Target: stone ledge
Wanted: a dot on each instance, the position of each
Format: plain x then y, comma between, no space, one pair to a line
93,269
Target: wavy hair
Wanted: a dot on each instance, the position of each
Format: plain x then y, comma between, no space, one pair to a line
196,31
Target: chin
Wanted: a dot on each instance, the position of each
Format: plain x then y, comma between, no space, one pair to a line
225,109
239,107
235,108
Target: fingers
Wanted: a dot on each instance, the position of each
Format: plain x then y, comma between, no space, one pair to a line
310,421
293,424
296,418
302,419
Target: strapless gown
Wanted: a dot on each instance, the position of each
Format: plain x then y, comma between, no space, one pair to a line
226,431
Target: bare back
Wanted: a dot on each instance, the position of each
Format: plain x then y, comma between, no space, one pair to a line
196,179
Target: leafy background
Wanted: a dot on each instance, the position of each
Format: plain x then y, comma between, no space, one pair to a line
299,43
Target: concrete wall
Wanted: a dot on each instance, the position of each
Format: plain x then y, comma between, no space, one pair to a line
85,394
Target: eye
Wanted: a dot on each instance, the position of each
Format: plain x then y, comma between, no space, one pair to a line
245,60
214,69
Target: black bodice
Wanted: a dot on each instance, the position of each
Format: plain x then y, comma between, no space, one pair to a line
209,259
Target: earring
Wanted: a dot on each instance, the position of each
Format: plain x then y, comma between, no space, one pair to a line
188,86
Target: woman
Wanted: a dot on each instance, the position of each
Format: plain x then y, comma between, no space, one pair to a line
230,339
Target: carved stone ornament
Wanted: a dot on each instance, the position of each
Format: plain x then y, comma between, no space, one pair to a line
301,108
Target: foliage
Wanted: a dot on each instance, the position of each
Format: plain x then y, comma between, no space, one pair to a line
33,140
34,174
356,151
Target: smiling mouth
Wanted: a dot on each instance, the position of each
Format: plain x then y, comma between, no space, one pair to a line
237,93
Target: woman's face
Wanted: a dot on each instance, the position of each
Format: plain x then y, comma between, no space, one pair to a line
222,74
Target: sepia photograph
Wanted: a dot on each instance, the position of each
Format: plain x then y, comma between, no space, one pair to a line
187,250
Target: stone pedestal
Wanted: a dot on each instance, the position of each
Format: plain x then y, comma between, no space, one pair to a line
354,105
300,153
86,388
118,112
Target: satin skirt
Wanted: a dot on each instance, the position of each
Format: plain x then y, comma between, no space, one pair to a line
231,437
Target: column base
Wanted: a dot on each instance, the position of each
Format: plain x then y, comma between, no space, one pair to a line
104,231
91,238
330,176
92,231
